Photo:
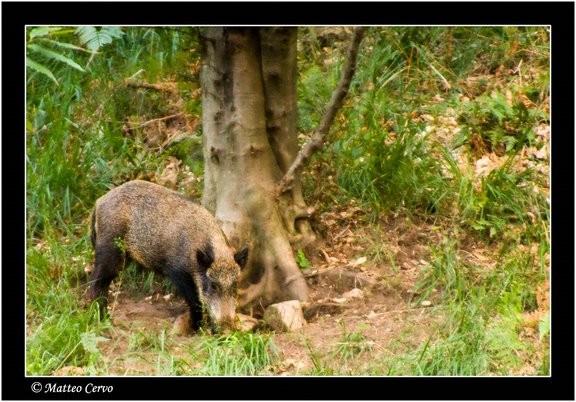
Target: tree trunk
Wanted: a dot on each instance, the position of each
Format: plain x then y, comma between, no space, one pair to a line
280,74
249,141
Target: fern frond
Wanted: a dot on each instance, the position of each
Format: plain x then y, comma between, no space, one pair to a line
94,38
55,56
43,31
40,69
64,45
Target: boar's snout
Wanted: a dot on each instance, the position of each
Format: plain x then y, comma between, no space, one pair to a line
222,314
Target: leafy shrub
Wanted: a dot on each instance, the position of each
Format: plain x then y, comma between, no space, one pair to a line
502,127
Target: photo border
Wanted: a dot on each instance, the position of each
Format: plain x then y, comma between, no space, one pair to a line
559,15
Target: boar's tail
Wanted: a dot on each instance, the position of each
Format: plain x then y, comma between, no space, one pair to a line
93,228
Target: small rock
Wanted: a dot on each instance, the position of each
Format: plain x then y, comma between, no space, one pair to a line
284,317
483,166
182,325
246,323
354,294
426,303
371,315
340,300
167,297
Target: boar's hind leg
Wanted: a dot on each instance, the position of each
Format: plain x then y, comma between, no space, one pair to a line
108,261
184,283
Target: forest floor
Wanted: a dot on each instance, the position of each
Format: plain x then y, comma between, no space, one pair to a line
356,334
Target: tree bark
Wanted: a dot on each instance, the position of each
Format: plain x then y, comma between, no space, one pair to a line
249,140
279,70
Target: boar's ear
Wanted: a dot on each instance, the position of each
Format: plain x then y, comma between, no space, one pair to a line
205,256
241,257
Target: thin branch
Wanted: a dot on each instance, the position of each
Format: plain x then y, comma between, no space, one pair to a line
335,104
147,123
166,87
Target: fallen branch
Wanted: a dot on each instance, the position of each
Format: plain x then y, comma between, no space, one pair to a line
159,119
335,104
157,87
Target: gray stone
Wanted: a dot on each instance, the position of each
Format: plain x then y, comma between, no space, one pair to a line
285,316
354,294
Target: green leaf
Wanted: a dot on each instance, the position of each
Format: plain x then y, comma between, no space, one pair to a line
40,69
55,56
544,326
510,142
42,31
64,45
89,342
302,261
493,232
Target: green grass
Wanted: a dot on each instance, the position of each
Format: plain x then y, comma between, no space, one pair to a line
383,155
481,333
352,344
237,354
503,199
60,330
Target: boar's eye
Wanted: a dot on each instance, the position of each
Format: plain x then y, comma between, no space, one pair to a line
241,257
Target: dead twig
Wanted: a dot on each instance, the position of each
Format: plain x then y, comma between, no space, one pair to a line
342,232
157,87
335,104
325,255
159,119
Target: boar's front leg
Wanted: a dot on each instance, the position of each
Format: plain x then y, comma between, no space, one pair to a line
182,280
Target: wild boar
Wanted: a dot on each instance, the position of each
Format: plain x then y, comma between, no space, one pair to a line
164,231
